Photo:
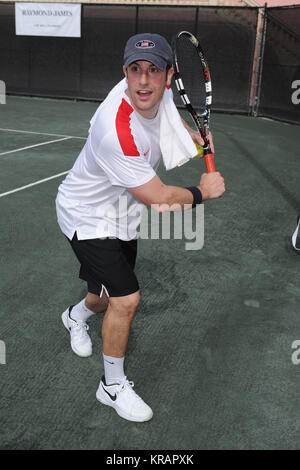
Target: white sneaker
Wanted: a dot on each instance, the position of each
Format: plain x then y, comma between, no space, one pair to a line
124,400
80,341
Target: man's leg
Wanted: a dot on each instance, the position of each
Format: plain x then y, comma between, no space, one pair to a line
116,323
75,317
115,333
90,305
114,388
96,303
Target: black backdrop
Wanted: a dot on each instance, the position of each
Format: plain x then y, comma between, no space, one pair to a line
89,66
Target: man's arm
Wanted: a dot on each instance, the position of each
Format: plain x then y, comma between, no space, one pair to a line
162,197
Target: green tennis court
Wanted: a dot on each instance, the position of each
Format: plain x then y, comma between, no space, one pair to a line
211,343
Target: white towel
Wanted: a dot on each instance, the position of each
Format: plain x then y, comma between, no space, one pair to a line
176,144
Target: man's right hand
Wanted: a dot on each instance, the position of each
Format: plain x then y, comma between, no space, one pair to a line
211,185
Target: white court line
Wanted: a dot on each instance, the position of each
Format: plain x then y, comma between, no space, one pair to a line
35,145
33,184
41,133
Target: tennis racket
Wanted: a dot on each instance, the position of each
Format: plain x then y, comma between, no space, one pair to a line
192,78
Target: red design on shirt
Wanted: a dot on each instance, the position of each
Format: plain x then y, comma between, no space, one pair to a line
125,136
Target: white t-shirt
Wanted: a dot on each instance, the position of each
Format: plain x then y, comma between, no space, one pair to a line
122,151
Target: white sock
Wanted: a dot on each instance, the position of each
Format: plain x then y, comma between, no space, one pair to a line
114,369
81,312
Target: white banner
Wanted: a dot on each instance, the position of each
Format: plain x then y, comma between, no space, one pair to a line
48,19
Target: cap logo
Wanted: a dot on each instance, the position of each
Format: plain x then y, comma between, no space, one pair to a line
145,44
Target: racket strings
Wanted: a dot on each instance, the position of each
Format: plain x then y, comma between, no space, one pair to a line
191,72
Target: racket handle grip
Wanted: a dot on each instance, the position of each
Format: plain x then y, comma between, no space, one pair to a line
209,162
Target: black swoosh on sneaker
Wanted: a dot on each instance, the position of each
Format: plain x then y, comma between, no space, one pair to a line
70,308
112,397
69,314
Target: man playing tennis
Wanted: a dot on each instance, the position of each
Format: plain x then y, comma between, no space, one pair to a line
119,160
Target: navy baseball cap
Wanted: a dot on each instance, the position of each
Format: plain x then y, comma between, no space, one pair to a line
147,46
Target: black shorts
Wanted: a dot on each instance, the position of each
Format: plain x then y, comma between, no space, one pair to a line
107,262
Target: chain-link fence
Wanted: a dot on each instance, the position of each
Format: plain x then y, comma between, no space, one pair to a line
280,77
89,66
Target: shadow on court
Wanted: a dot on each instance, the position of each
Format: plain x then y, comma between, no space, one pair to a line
211,343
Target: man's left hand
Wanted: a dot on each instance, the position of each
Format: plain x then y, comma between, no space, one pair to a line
198,140
197,137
